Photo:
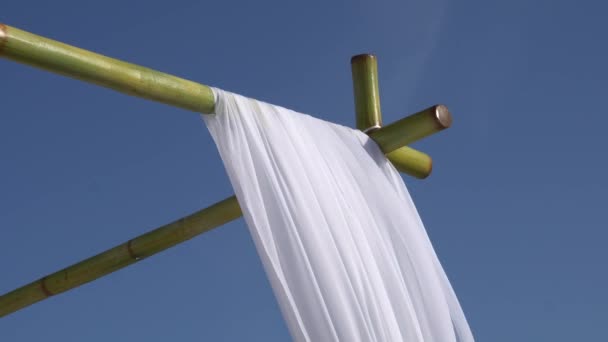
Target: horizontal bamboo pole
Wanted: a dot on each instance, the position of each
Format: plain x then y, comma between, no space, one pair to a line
121,256
412,128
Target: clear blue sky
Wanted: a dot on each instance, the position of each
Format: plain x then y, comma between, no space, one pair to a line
515,206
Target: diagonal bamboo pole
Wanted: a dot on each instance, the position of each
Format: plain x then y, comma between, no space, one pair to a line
132,79
27,48
121,256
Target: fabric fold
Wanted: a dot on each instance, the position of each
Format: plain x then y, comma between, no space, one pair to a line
340,239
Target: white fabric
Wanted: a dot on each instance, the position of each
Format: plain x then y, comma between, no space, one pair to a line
338,234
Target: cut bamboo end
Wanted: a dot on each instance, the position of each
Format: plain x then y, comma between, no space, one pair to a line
3,36
443,117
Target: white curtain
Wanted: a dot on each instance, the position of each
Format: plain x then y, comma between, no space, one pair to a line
340,239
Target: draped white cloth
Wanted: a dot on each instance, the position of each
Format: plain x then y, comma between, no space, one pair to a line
340,239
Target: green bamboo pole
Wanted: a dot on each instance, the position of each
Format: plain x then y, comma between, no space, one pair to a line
412,128
412,162
121,256
131,79
364,69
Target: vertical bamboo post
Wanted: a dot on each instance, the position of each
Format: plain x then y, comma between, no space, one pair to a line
364,69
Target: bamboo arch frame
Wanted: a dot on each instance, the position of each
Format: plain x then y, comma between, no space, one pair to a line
135,80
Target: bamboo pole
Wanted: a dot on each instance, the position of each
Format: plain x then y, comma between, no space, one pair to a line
412,128
27,48
135,80
364,69
412,162
121,256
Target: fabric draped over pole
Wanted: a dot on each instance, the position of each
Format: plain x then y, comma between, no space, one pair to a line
340,239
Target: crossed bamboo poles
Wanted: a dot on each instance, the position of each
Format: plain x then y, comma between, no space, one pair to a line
131,79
